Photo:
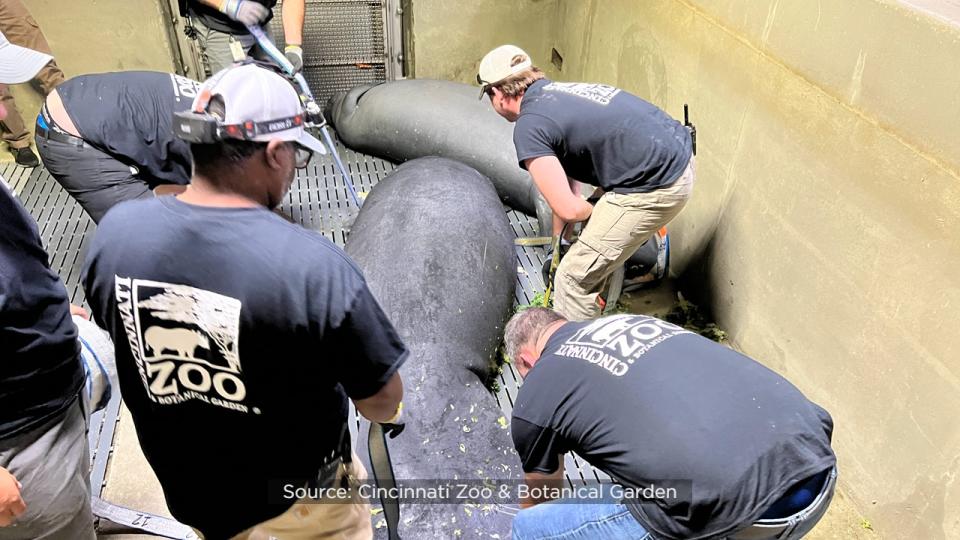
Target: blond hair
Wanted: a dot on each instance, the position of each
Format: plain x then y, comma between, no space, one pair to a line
518,83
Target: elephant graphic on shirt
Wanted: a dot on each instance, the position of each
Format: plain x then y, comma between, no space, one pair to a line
179,340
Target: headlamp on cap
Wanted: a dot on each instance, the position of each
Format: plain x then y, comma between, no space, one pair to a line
199,126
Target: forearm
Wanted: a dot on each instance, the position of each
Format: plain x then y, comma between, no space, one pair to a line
558,189
293,16
382,406
541,487
212,3
558,225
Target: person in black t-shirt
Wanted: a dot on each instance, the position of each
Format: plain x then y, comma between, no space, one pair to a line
567,133
657,407
220,24
44,460
239,336
108,137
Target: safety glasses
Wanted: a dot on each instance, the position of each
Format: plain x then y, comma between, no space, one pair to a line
301,156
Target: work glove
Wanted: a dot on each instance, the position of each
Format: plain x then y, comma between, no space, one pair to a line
295,55
246,12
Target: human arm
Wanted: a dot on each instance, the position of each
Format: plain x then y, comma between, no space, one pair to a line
383,406
11,503
242,11
293,14
558,190
79,311
541,451
541,486
369,354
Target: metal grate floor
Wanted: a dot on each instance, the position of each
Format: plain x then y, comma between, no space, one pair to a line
318,200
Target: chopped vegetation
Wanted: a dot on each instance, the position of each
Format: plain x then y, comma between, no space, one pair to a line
537,301
689,316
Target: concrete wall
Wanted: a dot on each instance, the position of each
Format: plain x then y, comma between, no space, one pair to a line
447,38
90,36
824,223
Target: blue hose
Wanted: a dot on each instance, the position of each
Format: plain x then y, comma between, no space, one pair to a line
274,53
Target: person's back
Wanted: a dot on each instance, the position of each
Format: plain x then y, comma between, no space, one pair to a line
128,114
232,317
603,136
44,461
40,375
648,402
239,335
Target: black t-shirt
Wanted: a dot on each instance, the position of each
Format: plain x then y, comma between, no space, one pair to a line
129,115
214,19
238,337
649,402
602,136
40,371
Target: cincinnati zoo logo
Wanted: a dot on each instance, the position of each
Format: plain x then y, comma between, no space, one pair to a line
184,341
615,343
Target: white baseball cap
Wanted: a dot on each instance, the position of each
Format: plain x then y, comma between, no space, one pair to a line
19,64
259,105
500,63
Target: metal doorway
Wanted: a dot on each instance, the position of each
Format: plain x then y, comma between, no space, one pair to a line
348,43
345,43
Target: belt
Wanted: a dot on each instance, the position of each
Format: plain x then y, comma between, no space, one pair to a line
341,455
47,129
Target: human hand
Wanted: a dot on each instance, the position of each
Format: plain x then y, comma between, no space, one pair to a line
245,11
79,312
294,54
11,503
395,425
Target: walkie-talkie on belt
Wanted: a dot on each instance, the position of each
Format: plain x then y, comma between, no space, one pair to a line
690,127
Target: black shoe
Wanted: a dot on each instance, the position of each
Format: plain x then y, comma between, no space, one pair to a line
25,157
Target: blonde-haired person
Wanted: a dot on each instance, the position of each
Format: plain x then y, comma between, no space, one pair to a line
567,133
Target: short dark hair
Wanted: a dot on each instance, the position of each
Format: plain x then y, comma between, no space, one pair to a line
525,326
207,157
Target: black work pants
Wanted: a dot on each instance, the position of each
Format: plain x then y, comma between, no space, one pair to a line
95,179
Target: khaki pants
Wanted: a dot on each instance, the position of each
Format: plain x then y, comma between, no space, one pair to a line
619,225
20,28
311,520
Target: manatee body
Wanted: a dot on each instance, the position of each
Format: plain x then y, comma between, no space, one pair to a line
408,119
436,248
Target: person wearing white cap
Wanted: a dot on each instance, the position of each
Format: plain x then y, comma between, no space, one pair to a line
239,336
639,157
28,60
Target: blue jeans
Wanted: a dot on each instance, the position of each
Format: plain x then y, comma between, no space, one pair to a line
587,521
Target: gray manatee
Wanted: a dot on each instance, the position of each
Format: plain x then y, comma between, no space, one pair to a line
412,118
436,248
